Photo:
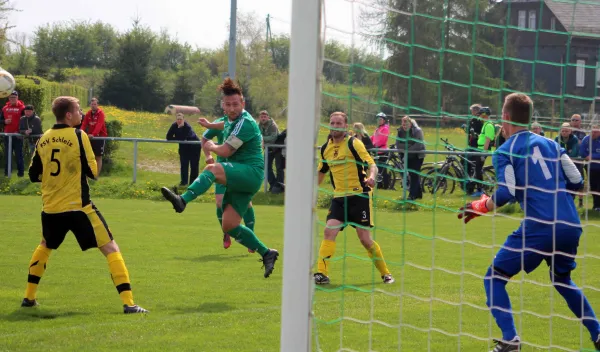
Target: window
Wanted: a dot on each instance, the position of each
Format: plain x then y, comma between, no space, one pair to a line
522,19
580,74
553,23
532,17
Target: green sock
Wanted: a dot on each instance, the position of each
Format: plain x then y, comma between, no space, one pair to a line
199,187
249,219
220,215
248,239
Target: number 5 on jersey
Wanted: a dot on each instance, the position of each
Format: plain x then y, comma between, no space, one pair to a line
54,160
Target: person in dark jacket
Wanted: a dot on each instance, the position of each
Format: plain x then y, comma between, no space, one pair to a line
410,138
361,133
30,126
280,153
189,154
590,151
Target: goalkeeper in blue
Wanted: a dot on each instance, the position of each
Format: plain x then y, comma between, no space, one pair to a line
536,172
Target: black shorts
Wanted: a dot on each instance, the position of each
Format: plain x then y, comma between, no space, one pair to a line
352,210
88,226
97,147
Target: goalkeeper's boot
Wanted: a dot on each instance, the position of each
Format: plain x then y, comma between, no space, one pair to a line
388,279
175,199
28,303
226,241
507,346
134,309
268,261
321,279
597,344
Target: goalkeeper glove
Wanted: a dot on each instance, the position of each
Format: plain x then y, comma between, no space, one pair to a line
474,209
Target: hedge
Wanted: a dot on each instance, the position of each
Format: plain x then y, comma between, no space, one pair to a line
40,93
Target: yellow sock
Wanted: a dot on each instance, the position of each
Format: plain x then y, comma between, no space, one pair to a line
37,266
379,262
120,277
325,253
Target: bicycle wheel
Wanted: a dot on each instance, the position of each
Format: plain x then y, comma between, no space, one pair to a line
489,179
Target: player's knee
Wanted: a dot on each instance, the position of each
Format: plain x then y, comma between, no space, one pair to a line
365,238
560,277
330,233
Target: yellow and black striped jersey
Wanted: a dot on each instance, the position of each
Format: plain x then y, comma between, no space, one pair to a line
346,161
62,162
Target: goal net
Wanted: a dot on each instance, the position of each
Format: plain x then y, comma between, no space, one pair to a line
431,61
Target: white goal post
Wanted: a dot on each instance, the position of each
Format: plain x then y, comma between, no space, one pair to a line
303,115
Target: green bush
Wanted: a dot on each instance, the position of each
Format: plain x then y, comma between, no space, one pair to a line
114,128
40,93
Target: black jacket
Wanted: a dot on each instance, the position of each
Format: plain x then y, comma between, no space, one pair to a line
185,133
34,123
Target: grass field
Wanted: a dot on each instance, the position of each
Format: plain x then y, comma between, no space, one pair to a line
205,298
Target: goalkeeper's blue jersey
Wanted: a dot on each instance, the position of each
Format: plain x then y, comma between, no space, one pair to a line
537,172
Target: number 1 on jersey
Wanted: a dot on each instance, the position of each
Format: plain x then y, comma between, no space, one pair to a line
54,160
538,158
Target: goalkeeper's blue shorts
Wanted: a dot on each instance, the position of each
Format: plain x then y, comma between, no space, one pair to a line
527,252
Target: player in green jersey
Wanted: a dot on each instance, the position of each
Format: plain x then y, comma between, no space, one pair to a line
242,173
215,129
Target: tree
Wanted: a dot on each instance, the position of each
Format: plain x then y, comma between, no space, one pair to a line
132,82
183,94
20,60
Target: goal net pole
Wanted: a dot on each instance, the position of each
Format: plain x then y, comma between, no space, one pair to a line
300,193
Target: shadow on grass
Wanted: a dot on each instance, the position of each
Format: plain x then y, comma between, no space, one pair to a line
210,307
35,314
214,258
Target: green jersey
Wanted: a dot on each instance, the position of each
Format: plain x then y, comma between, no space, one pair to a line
244,135
487,131
212,133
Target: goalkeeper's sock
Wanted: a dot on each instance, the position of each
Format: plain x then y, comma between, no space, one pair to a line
220,215
578,303
120,277
37,267
377,256
248,239
326,251
495,286
199,186
249,219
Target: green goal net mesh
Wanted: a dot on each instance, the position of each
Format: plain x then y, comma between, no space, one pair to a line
431,60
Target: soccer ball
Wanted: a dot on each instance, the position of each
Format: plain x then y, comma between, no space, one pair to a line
7,83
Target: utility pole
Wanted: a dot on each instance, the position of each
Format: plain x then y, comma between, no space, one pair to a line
232,38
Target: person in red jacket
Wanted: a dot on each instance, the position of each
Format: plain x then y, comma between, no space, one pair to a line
9,118
95,126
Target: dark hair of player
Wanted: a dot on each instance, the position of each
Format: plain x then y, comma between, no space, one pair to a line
229,88
519,107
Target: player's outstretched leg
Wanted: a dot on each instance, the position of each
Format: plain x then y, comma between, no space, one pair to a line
120,277
249,221
374,252
578,304
37,267
495,286
196,189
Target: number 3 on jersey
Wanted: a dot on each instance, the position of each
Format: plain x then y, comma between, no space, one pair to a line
538,158
54,160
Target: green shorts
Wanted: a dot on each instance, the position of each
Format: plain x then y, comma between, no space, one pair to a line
220,189
243,181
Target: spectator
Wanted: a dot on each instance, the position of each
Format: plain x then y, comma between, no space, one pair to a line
568,141
580,134
280,155
537,129
472,128
31,127
590,151
95,126
10,119
269,131
189,154
410,138
500,138
485,141
380,140
361,133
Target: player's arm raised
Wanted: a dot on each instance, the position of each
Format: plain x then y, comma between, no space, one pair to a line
211,125
242,133
368,159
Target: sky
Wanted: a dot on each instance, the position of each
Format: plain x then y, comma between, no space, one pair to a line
201,23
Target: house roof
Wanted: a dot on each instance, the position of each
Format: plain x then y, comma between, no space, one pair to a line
576,16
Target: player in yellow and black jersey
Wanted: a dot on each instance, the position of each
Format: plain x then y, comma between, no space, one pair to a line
346,158
63,161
